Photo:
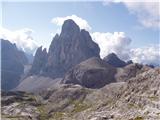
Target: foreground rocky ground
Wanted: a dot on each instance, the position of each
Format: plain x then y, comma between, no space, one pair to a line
136,99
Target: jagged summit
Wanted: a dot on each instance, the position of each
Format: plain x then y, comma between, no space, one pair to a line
69,48
70,27
39,61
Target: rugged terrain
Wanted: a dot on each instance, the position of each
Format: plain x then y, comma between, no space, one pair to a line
72,82
136,99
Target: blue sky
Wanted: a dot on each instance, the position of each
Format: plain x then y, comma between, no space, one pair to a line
111,18
101,17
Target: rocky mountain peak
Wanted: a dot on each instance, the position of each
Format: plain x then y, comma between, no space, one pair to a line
68,49
70,27
113,60
39,61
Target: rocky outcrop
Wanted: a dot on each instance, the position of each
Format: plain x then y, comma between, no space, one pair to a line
113,60
129,71
137,99
92,73
69,48
36,84
39,61
19,106
12,65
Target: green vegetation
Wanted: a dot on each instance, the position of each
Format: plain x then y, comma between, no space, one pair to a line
138,118
153,98
43,113
79,106
11,117
57,115
132,105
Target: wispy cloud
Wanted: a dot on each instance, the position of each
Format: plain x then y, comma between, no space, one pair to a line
147,11
22,38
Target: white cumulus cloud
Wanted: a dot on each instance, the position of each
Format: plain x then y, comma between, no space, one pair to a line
147,11
22,38
83,24
116,42
146,55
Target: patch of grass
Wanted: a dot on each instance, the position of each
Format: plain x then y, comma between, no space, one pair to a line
58,115
43,114
139,118
12,117
79,106
153,98
132,105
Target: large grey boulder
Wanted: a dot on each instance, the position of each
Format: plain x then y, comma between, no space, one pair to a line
92,73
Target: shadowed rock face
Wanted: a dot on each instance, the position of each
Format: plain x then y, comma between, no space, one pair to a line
113,60
12,64
69,48
39,61
92,73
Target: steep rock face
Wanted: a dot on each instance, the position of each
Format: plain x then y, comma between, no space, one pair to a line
113,60
69,48
12,64
39,61
92,73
